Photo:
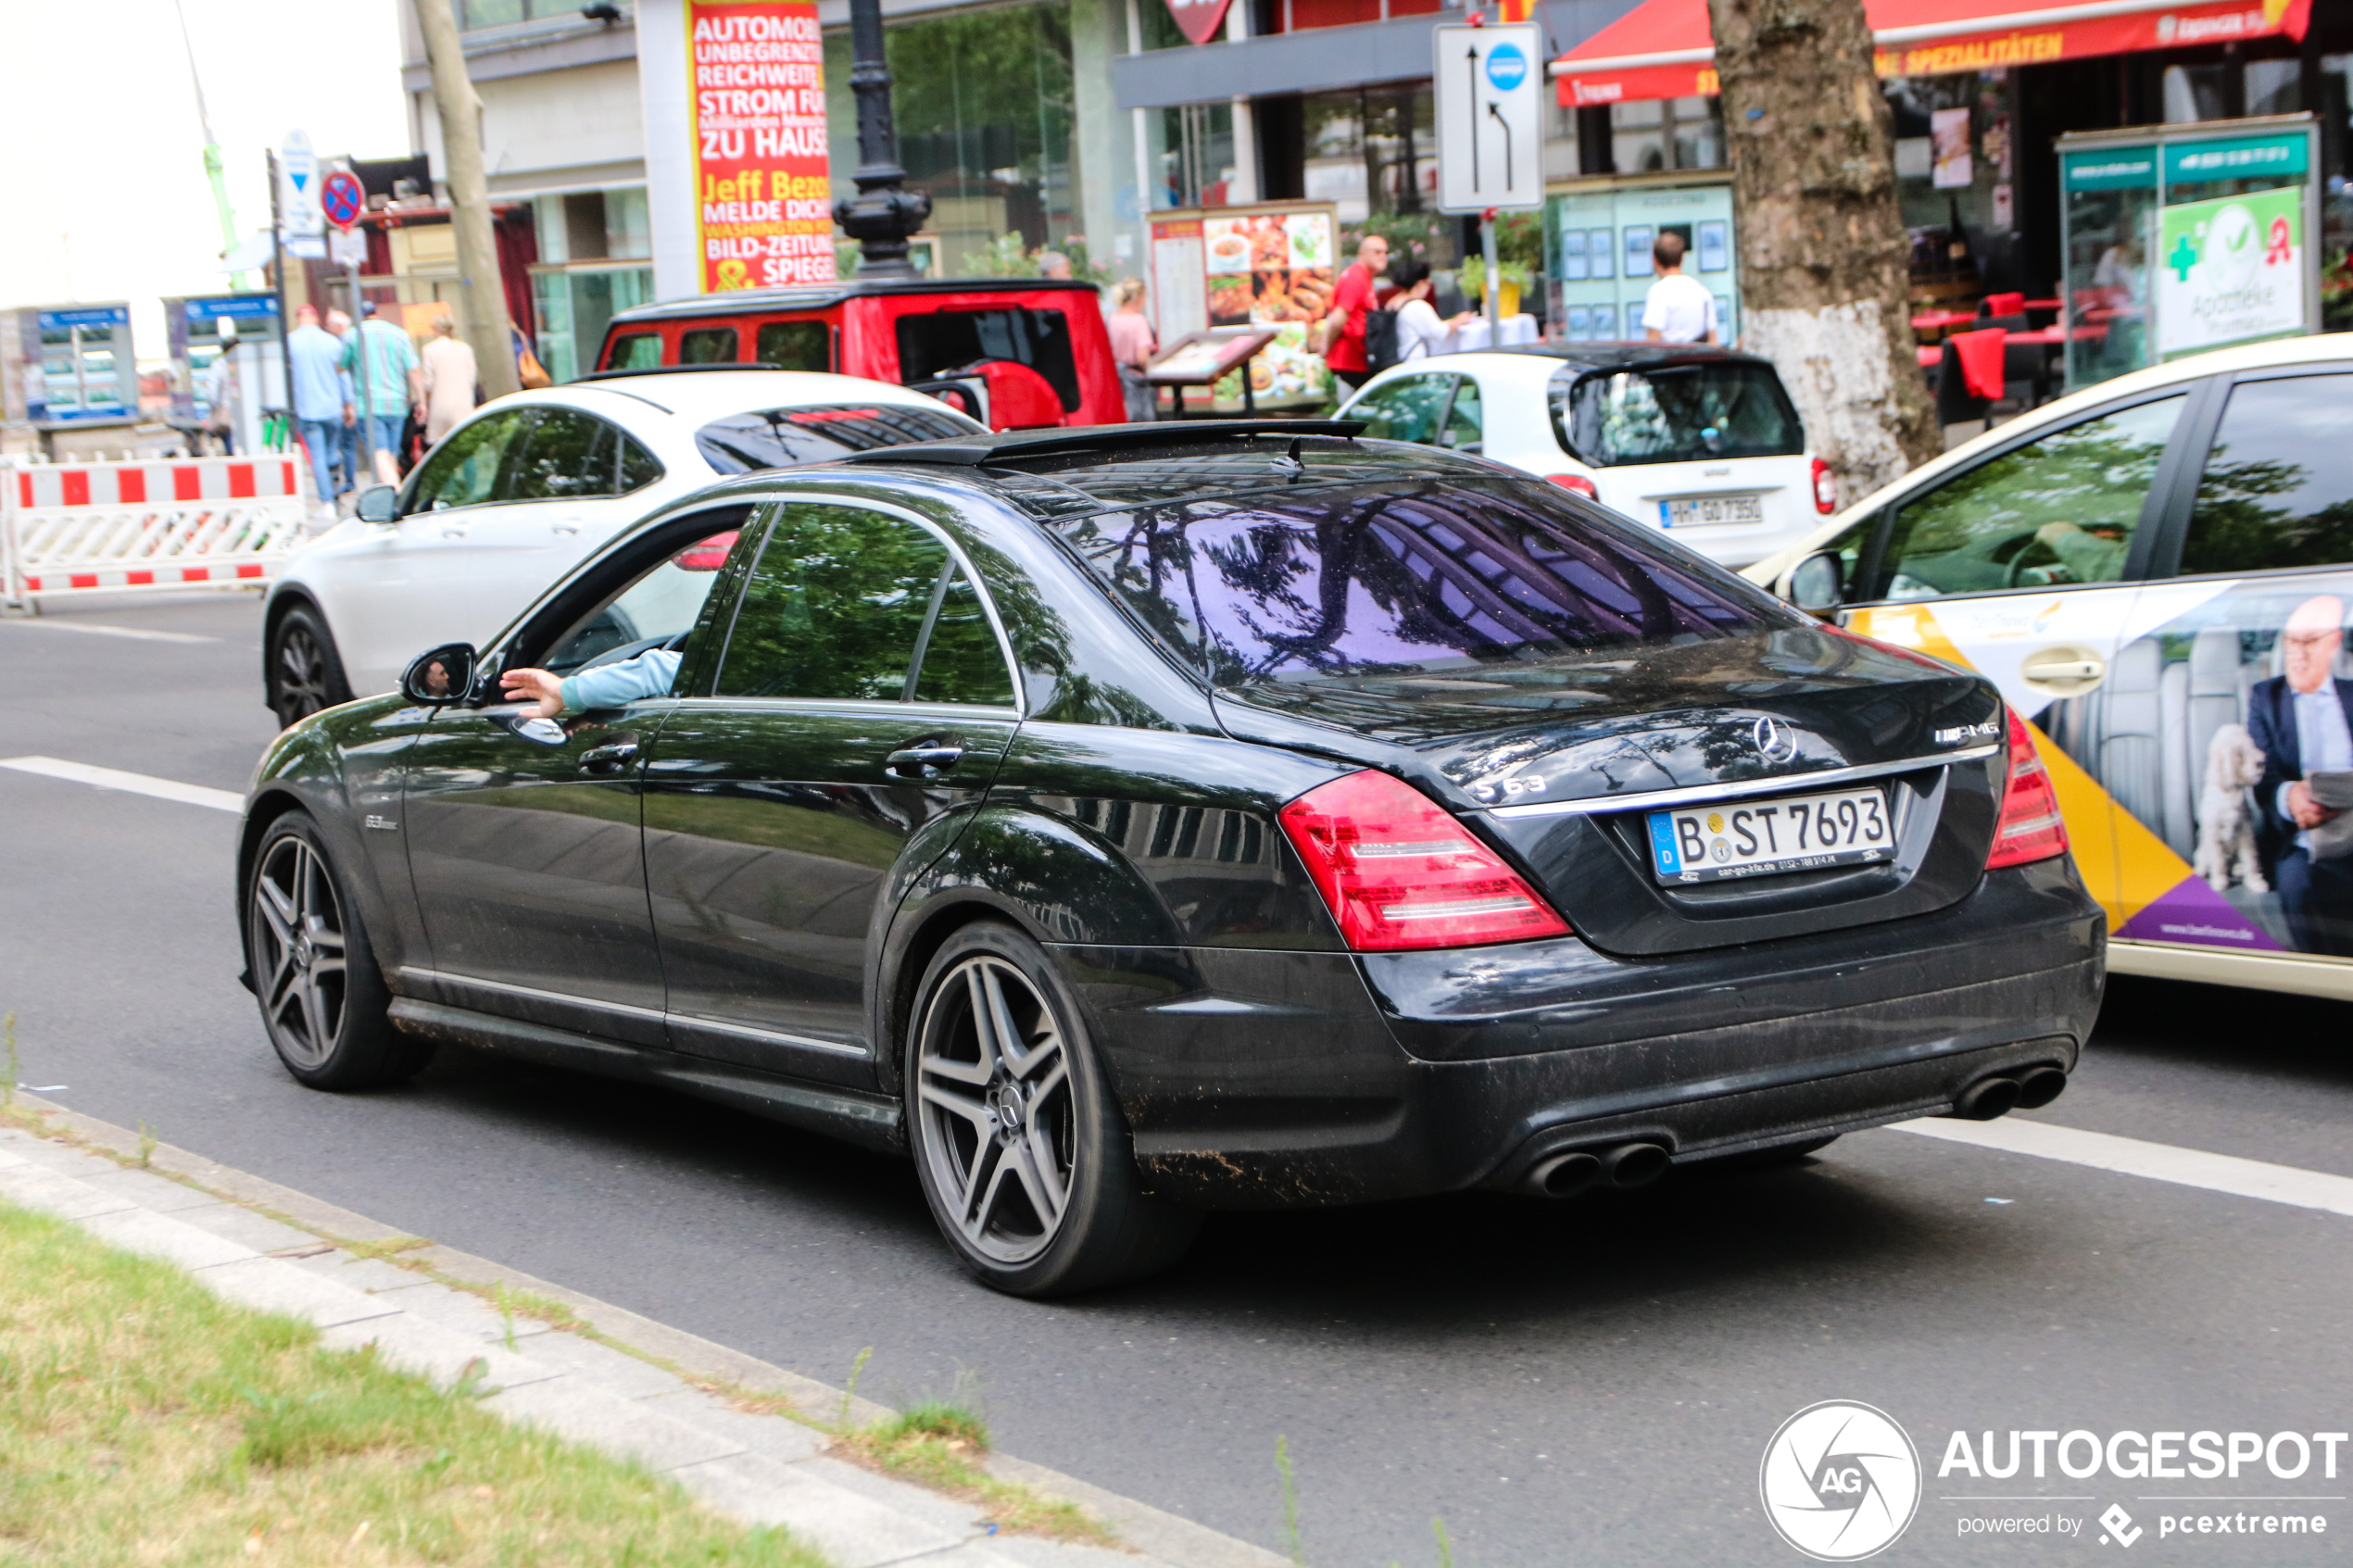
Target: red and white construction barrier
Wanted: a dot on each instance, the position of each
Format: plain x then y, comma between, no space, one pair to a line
112,526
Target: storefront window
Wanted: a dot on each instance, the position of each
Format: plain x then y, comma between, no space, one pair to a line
984,107
1371,149
1956,171
1667,133
576,305
1192,145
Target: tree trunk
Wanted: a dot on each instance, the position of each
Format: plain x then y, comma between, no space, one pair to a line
453,95
1825,261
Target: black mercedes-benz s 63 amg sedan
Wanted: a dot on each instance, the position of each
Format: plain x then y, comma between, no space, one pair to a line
1137,822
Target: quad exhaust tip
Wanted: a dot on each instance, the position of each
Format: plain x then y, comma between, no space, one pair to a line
1627,1166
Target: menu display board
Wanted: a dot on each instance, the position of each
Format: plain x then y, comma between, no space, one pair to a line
1273,265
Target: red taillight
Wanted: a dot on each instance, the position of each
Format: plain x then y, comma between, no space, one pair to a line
708,556
1825,488
1576,481
1399,870
2030,827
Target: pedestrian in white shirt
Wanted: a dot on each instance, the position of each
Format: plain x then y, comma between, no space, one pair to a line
1419,331
1677,309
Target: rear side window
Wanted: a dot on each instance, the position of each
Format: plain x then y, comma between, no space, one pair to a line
638,351
568,454
935,342
1404,578
708,345
1674,414
773,437
796,345
636,467
2278,487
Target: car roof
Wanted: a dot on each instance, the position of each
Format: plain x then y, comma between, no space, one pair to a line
1072,473
741,302
1538,362
2279,353
698,399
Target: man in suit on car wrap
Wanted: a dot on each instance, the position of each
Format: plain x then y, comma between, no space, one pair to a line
2303,722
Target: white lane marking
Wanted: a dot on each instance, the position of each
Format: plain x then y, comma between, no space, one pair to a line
131,784
143,633
2158,1161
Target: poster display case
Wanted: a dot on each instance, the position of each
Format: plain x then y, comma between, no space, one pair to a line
197,327
1598,234
1269,265
77,366
2176,239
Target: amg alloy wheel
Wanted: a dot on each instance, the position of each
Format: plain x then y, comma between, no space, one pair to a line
995,1092
1023,1154
322,999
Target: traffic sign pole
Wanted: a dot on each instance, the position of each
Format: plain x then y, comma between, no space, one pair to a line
343,199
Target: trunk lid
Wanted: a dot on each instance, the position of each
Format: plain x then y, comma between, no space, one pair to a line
1562,761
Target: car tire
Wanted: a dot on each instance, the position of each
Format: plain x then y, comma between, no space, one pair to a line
1004,1134
323,1001
305,669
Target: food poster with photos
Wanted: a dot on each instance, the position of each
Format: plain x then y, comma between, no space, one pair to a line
1271,265
2174,769
1598,240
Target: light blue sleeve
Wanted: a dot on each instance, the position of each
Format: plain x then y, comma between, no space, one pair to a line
610,685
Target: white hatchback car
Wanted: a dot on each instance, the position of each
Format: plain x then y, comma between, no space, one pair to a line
1701,442
512,499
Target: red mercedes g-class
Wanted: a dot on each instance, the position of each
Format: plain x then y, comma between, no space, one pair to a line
1016,353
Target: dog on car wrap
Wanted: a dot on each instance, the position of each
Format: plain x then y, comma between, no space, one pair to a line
2225,830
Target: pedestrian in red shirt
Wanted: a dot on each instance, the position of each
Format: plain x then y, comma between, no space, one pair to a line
1344,328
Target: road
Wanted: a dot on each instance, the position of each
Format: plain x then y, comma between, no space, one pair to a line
1591,1383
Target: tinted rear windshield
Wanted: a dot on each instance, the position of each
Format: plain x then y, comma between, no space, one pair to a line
1399,578
773,437
1674,414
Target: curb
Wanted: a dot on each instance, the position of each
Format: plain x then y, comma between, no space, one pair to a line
644,1396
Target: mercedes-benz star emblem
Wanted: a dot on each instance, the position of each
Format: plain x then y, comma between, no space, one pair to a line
1772,742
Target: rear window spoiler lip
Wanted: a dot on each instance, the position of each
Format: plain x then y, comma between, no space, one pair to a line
1696,795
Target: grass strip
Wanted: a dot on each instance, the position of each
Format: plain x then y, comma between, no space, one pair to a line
144,1421
942,1445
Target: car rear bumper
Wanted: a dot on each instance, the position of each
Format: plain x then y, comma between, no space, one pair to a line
1256,1079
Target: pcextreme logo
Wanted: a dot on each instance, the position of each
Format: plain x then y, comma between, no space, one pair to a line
1841,1481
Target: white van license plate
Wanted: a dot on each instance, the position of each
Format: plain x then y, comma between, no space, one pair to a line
1801,833
1705,509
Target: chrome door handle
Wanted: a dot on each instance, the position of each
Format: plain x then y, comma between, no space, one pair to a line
2064,668
453,533
563,528
923,761
609,758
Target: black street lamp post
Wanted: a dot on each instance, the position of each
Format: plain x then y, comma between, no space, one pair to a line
882,213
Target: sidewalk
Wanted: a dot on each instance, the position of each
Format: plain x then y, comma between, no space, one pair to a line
671,1400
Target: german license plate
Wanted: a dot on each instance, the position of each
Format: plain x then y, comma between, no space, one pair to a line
1701,510
1796,833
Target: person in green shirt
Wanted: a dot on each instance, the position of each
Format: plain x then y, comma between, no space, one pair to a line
386,380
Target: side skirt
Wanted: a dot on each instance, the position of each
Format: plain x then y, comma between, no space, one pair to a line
867,1119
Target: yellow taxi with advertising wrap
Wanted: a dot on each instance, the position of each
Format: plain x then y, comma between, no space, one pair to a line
2158,573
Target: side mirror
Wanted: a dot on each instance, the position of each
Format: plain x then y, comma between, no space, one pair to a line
378,503
1815,584
442,676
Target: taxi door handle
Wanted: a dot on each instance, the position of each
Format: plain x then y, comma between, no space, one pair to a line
2063,669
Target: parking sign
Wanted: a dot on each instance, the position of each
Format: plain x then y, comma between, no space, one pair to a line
1490,109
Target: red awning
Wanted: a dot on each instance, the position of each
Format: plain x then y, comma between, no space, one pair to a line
1663,49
